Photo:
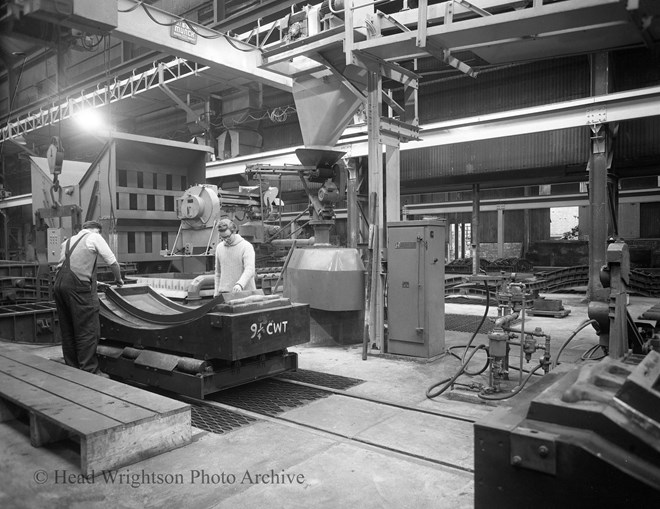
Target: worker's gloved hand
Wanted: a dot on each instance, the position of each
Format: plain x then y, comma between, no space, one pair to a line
119,282
237,288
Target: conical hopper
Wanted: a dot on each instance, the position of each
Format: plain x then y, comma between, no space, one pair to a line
325,107
318,157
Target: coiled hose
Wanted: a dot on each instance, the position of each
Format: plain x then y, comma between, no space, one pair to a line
448,382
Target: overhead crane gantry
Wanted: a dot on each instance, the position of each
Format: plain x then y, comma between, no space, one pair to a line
121,87
204,49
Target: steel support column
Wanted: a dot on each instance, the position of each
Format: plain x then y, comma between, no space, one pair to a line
526,226
613,197
5,235
353,219
392,182
500,231
598,188
598,214
375,157
474,233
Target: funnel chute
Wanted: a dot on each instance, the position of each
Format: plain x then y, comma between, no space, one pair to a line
318,157
325,107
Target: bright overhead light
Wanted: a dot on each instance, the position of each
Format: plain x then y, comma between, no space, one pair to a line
89,119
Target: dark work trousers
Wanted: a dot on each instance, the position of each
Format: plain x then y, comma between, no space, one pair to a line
78,312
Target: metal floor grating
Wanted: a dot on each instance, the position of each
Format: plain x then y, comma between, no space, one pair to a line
323,379
269,397
218,420
467,323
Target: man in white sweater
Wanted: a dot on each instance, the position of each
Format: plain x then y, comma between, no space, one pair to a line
234,261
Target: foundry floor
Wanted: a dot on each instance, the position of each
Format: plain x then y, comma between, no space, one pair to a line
335,452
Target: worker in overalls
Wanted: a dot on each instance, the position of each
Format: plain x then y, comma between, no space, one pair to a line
234,260
76,296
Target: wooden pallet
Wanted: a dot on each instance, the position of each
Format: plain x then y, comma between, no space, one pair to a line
116,424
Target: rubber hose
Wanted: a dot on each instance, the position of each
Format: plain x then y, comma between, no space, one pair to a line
450,381
474,334
570,338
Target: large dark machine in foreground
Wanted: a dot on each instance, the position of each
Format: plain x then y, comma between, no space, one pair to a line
589,438
230,340
586,435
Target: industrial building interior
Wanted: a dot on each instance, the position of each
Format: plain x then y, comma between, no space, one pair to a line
455,209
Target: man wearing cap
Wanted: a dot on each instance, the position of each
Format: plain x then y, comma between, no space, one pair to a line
76,297
234,260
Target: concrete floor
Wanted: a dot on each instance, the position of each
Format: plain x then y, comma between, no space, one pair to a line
333,452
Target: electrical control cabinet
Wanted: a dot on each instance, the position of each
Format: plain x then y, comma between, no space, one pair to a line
416,288
55,239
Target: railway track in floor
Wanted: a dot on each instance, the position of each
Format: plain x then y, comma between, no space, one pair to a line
273,398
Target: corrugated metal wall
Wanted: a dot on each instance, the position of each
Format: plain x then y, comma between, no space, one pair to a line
638,140
503,89
553,148
634,68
